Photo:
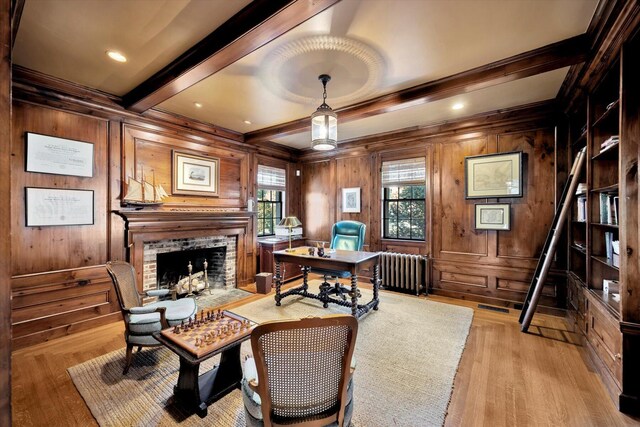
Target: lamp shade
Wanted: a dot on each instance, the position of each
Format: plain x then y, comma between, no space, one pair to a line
290,222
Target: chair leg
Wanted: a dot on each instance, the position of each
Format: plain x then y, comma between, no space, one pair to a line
127,361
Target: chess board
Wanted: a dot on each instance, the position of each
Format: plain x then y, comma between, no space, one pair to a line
211,331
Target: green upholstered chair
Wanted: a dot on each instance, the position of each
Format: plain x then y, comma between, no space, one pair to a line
348,236
301,373
142,321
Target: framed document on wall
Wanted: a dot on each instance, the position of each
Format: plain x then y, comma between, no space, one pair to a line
493,175
195,175
52,206
59,156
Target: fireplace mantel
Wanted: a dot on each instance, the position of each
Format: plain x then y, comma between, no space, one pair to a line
152,225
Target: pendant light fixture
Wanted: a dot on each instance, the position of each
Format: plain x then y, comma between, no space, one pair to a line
324,122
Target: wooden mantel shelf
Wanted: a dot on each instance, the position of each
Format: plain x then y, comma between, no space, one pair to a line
183,219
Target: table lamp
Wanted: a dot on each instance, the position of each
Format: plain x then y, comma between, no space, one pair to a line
290,222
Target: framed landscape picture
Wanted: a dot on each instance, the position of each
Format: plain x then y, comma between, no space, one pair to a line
493,175
195,175
493,216
351,200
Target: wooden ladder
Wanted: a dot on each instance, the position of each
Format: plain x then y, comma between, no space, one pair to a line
546,258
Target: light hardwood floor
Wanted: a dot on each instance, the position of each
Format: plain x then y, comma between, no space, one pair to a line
505,378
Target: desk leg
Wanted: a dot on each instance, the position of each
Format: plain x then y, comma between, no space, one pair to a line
305,279
278,283
376,284
354,295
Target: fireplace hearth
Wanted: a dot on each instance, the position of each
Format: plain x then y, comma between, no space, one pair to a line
173,267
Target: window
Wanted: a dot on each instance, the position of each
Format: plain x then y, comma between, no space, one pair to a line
404,199
271,190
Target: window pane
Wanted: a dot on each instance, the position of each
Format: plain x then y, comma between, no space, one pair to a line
261,210
419,192
390,210
260,227
391,229
417,209
392,192
404,210
404,229
260,194
405,193
417,229
267,227
267,210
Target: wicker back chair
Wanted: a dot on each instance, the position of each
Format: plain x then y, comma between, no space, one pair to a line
304,372
142,321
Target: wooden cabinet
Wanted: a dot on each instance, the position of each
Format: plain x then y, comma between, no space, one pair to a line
268,246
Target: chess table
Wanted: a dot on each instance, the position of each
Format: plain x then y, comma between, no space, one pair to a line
213,333
353,262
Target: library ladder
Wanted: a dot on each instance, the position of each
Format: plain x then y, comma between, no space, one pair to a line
546,258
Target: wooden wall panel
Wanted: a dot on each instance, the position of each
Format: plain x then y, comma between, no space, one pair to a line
41,249
5,212
537,206
318,199
455,233
355,172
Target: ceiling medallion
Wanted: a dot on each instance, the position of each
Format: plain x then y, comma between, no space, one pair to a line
290,71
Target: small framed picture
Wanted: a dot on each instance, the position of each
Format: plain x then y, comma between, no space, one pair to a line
53,206
493,216
493,175
195,175
351,200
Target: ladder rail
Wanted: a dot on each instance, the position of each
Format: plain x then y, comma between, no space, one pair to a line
546,258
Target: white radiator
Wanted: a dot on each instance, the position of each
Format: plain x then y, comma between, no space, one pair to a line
403,271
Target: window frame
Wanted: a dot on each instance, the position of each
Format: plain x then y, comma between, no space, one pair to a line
411,200
274,204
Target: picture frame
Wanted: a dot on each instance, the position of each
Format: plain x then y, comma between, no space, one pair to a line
351,200
55,207
195,175
493,175
493,216
58,156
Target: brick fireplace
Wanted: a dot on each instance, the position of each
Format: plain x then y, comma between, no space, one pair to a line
149,233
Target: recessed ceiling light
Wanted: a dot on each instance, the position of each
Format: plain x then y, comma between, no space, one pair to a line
248,122
116,56
197,104
457,106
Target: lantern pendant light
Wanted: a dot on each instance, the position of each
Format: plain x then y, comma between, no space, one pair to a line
324,122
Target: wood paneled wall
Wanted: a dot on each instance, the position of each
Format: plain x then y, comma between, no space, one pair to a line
58,280
5,213
492,266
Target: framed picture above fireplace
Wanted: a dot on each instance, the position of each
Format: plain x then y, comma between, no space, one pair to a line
195,175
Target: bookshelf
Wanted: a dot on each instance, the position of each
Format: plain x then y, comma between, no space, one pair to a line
603,238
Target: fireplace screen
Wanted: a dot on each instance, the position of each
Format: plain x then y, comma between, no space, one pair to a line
173,269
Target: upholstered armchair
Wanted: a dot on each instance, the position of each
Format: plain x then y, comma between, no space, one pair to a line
345,235
301,373
142,321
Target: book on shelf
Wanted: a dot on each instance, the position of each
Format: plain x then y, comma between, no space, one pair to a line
608,239
615,253
604,208
581,189
582,209
615,206
610,286
609,205
612,140
581,245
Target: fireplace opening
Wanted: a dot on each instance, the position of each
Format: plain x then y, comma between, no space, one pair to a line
173,269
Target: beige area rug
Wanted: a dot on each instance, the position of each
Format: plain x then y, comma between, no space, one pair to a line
407,356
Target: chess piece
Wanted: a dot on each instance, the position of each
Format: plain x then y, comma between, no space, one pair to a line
176,329
198,342
183,326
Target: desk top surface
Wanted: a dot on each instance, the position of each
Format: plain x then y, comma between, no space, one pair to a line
351,257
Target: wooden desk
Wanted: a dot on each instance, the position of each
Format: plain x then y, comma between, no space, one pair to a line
268,246
350,261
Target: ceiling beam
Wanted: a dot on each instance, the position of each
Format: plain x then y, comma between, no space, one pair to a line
254,26
551,57
17,6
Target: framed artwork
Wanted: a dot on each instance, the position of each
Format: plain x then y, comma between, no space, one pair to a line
493,175
52,206
493,216
195,175
351,200
59,156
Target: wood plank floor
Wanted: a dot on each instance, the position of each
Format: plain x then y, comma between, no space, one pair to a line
505,378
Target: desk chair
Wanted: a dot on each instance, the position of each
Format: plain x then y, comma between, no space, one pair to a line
142,321
301,373
345,235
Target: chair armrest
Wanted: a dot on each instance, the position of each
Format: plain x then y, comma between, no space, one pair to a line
142,310
147,310
158,292
253,385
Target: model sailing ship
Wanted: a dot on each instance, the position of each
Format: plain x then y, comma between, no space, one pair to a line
143,193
